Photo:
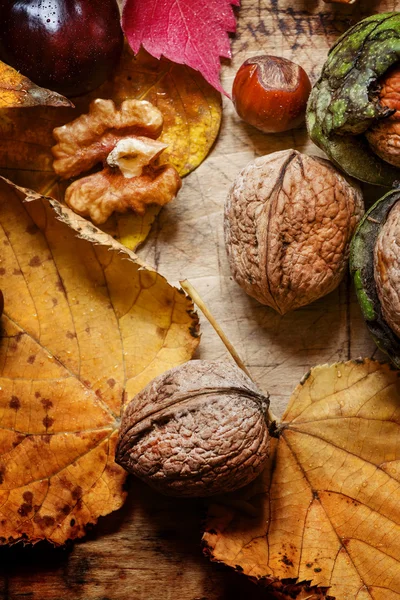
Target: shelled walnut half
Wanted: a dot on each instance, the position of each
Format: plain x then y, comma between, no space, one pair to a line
124,140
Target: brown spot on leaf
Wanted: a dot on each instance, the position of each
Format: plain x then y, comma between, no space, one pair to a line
60,287
15,403
70,335
98,393
2,473
45,521
48,421
2,271
35,261
37,394
31,359
317,570
72,522
76,492
46,439
160,332
54,301
46,403
87,329
111,382
66,509
25,509
32,229
17,272
28,496
287,561
87,383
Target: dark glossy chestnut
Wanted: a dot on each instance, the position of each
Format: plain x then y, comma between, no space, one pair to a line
70,46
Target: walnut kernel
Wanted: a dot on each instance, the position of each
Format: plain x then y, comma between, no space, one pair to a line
124,142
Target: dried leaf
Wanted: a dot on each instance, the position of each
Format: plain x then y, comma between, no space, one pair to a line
192,116
85,327
186,32
17,91
326,509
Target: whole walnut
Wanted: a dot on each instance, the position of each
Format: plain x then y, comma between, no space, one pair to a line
197,430
289,220
386,268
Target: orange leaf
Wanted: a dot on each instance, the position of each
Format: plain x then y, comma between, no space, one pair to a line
17,91
85,327
326,509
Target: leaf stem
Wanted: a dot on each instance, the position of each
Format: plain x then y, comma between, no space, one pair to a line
195,296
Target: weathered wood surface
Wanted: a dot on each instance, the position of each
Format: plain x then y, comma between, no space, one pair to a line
151,548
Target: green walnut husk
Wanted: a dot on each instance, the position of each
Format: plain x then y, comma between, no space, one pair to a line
342,105
362,270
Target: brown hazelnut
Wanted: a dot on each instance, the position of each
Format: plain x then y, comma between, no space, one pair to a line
271,93
197,430
384,135
289,220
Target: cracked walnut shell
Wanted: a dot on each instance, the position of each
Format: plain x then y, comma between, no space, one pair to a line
289,220
197,430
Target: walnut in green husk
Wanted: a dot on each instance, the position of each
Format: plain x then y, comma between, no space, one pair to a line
375,265
348,110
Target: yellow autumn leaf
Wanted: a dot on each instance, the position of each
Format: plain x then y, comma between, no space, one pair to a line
327,508
17,91
85,327
192,115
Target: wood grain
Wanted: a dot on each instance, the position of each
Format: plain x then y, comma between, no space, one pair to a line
150,549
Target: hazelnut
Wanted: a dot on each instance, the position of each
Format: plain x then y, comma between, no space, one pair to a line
197,430
289,220
384,135
271,93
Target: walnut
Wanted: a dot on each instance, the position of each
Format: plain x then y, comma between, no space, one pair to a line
387,268
289,219
384,136
124,141
99,195
89,139
197,430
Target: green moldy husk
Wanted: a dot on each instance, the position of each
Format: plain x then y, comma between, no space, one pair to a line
362,270
343,105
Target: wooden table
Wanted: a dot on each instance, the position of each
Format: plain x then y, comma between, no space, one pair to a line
150,549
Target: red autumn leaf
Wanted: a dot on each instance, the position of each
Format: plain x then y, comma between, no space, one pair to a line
185,31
